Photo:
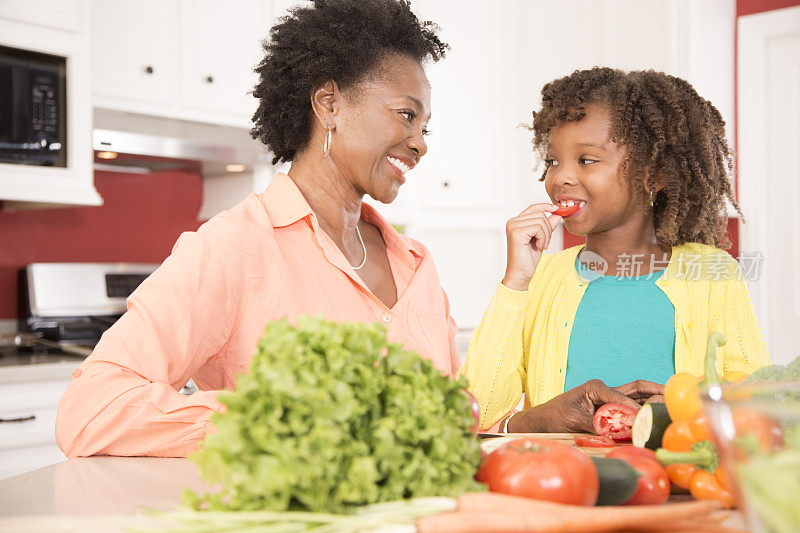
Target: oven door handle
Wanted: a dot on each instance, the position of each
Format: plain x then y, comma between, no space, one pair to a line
29,339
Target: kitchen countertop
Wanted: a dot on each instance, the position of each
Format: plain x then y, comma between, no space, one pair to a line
94,494
16,367
103,493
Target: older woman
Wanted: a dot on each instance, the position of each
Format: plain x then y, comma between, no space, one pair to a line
344,97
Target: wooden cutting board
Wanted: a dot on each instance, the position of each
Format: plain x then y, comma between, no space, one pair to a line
492,441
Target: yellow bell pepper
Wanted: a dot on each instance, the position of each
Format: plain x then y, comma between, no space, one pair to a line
682,396
682,391
735,376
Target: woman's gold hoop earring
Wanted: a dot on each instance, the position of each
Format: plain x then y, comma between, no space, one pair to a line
326,146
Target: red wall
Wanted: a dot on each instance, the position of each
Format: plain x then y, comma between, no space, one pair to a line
140,220
748,7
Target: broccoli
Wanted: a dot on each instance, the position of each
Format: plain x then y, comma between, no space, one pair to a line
790,372
793,370
768,373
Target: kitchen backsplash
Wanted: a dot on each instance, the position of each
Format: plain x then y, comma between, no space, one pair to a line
141,219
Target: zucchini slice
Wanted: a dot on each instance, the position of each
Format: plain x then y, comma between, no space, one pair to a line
649,425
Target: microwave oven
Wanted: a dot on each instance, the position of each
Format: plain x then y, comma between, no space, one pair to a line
32,108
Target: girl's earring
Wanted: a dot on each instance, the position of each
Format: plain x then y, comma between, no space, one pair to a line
652,197
326,145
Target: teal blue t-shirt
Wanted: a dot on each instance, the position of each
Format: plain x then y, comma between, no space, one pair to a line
624,330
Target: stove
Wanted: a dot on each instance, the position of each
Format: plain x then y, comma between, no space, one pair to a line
64,308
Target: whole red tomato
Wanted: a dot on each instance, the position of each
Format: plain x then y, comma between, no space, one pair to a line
654,486
626,452
543,470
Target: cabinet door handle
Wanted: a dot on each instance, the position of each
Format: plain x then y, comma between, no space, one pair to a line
445,184
18,419
210,79
149,69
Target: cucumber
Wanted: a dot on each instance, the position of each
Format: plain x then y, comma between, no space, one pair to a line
649,425
618,480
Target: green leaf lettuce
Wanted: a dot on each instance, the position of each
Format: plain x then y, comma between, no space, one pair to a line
323,422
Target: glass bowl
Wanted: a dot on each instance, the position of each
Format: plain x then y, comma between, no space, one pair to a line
756,427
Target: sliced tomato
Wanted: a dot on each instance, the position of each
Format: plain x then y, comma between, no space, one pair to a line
565,211
614,420
593,441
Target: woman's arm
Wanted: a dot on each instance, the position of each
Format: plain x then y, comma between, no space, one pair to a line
124,399
452,329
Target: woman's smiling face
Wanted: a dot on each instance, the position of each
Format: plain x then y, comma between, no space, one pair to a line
585,167
381,127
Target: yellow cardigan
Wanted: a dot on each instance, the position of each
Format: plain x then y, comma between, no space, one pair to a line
522,341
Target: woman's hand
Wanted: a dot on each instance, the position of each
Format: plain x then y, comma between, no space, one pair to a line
573,410
527,236
643,391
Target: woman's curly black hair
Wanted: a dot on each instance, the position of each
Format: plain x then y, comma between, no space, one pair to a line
340,40
669,130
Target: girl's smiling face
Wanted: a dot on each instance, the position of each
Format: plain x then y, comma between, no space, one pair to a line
585,165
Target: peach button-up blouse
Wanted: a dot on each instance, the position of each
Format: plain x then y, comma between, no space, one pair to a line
201,313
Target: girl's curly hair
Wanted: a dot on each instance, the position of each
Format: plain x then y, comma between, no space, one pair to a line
340,40
669,130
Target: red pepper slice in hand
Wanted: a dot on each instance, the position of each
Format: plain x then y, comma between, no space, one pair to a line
565,211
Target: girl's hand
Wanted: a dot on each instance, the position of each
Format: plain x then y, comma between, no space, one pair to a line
527,236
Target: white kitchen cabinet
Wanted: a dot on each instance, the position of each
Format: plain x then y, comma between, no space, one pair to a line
184,59
218,72
30,185
59,14
134,51
30,443
465,176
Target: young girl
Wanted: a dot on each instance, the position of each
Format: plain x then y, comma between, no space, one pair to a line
638,163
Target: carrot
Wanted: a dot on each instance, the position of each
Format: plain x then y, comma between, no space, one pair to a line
689,526
484,522
499,512
481,522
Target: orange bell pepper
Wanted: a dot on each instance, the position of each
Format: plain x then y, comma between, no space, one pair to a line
692,461
681,474
707,486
